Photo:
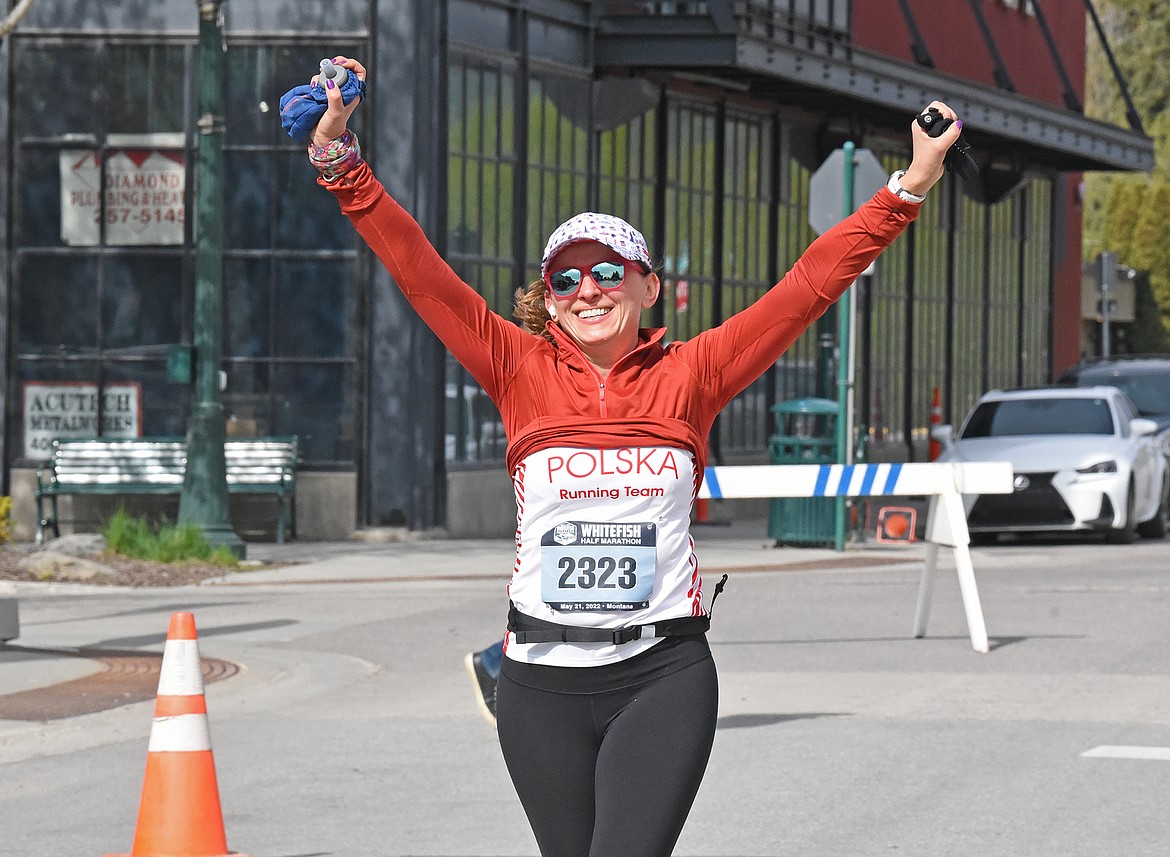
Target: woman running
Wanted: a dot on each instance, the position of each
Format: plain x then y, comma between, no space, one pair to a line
607,695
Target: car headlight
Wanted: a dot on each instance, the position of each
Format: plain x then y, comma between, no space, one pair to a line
1109,466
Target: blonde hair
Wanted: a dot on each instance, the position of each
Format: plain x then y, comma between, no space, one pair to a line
531,310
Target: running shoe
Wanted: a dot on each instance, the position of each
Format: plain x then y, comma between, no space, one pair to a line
485,686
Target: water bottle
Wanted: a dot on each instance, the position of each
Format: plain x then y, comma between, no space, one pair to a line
329,71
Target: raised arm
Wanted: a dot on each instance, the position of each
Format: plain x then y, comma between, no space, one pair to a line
731,356
485,343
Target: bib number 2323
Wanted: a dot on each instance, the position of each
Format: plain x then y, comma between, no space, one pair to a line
593,566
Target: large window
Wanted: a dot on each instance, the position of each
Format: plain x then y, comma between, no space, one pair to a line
98,289
495,243
1036,218
747,205
928,331
294,314
103,210
688,263
882,332
968,331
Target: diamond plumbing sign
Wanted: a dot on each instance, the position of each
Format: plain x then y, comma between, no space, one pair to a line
143,181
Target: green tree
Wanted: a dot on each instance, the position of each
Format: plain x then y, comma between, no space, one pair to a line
1122,208
1125,212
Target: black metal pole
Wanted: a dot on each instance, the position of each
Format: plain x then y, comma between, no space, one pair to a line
1131,114
1071,101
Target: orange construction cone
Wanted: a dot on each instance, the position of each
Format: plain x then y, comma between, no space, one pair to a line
935,420
180,815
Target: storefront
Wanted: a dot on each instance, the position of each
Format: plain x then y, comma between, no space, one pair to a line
492,121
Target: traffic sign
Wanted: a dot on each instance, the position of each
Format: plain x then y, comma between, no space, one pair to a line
826,188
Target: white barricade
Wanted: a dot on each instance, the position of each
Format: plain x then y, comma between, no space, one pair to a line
946,521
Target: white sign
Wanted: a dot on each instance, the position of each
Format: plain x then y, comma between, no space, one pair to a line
145,183
69,409
826,187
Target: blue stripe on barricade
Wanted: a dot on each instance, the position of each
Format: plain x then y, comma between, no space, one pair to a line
892,479
713,484
822,480
845,472
828,480
846,479
868,479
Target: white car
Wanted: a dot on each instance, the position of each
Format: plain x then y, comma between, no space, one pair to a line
1083,461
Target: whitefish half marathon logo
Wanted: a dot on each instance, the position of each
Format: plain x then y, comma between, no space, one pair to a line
565,534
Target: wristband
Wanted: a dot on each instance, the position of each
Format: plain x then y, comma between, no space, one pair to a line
337,157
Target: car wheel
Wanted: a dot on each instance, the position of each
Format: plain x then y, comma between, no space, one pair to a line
1155,528
1124,534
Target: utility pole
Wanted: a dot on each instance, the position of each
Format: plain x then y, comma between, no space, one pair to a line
204,499
844,310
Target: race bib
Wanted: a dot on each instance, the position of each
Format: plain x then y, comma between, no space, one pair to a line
595,566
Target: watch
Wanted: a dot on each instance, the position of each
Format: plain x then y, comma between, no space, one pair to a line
895,187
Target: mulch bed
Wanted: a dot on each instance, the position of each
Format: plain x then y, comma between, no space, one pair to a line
125,571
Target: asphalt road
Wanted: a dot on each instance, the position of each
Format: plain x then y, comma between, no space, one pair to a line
347,725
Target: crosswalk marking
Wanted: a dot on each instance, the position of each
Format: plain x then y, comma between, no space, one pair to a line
1110,751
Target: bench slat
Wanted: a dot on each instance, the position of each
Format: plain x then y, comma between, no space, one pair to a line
158,466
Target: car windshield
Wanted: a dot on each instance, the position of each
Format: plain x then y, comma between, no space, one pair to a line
1017,417
1150,394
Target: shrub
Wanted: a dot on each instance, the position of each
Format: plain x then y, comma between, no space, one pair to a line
166,542
5,519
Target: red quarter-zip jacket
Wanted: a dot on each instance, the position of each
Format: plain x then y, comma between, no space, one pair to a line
605,470
550,394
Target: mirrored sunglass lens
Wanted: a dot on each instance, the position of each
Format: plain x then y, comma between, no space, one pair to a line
566,281
608,274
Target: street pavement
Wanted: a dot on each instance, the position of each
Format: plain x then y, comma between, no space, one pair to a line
343,723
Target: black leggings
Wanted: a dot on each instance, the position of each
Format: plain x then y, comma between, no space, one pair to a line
612,771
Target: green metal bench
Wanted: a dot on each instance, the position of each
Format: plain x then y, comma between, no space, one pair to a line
257,465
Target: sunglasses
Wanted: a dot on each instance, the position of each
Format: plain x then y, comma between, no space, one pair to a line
565,282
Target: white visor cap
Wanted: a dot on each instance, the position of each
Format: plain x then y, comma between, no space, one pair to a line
605,229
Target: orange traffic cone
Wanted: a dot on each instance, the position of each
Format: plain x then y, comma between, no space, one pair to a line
935,420
180,815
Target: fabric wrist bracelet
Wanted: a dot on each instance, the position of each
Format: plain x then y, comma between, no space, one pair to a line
337,157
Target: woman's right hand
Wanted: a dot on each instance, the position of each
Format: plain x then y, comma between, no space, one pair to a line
333,123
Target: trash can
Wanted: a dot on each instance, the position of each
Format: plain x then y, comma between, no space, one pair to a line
806,434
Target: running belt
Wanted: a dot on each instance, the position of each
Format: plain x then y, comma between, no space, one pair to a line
529,629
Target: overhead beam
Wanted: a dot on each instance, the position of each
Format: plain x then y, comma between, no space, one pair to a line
1074,140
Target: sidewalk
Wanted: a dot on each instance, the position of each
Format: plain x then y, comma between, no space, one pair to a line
740,547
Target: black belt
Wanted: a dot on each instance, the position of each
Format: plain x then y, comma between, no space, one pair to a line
529,629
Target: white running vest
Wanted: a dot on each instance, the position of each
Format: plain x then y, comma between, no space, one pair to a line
603,541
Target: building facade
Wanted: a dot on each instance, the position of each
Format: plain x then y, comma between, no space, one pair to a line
492,121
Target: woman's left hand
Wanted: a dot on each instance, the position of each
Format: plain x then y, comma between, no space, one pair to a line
926,168
333,123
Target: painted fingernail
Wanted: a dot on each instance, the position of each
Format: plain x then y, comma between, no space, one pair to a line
958,123
329,83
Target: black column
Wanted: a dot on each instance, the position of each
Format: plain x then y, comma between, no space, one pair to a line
404,473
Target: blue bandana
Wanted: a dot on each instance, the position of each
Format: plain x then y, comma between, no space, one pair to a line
302,107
